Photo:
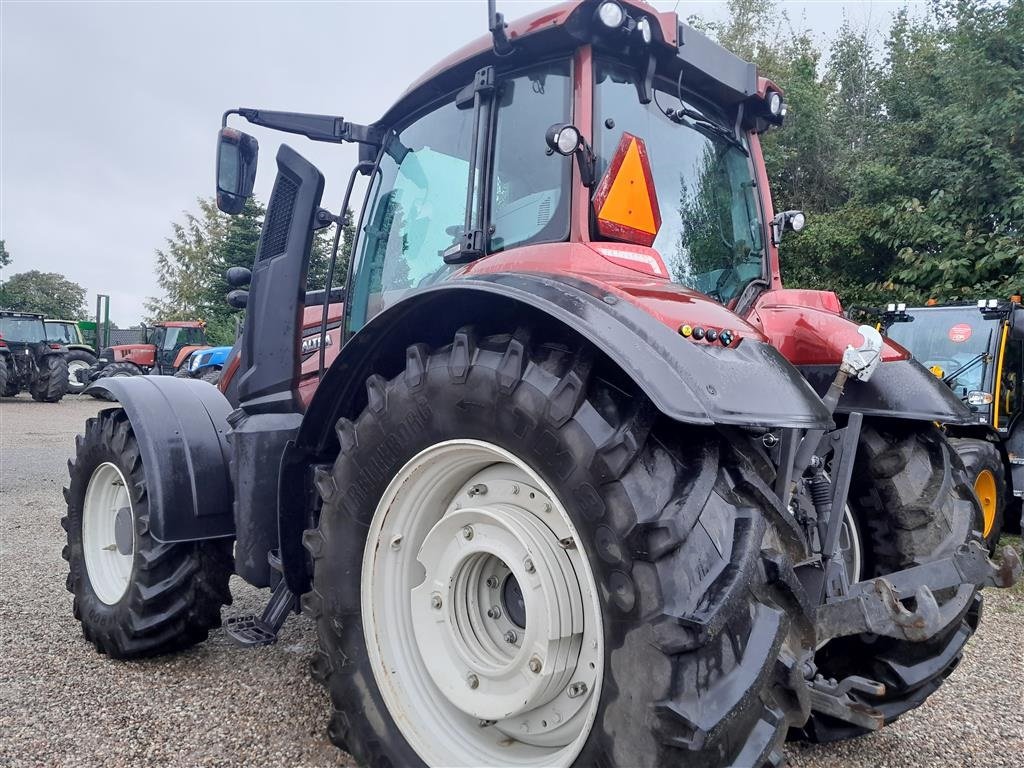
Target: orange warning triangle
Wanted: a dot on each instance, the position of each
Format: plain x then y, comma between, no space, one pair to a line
626,199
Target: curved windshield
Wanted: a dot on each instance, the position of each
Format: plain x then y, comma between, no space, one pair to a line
711,233
22,329
416,204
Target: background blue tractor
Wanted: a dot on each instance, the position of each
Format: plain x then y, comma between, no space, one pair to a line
205,364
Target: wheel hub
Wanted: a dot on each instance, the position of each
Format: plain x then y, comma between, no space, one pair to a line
466,635
480,611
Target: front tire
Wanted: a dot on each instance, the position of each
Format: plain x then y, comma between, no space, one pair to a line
51,381
679,589
134,596
987,476
913,504
78,360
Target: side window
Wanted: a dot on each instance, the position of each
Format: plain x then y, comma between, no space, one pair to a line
170,338
529,191
415,209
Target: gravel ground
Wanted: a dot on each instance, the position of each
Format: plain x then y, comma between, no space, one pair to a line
63,704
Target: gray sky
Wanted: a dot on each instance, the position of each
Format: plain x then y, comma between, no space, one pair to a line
109,111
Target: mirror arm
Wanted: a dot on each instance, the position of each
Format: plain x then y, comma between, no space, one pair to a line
326,128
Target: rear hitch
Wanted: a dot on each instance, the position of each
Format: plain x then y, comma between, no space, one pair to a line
875,606
833,698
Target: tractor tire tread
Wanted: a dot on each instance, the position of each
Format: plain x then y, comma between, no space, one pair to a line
679,544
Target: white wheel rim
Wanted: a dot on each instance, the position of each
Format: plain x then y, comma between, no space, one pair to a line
456,523
109,569
73,367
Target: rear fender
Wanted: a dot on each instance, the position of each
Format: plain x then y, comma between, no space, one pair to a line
181,426
750,384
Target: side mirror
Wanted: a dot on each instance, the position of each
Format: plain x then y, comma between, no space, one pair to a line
794,220
238,276
238,299
236,169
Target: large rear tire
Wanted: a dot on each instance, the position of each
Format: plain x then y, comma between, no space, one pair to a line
692,641
913,504
78,360
134,596
987,476
51,381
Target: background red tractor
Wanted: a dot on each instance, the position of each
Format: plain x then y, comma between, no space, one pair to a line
168,345
584,483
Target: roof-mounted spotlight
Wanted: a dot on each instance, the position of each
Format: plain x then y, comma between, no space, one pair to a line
901,307
776,106
993,303
981,303
611,15
890,307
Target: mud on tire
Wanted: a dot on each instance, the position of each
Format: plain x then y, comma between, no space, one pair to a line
51,382
705,633
175,591
913,504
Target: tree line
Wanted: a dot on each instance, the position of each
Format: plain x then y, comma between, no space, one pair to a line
907,156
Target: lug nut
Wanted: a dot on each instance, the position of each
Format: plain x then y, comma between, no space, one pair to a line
511,637
477,490
494,612
535,665
435,601
492,582
528,565
467,532
396,543
473,681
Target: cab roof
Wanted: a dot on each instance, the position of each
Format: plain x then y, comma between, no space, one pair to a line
708,66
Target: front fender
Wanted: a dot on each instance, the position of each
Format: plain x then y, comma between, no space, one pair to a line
181,427
898,389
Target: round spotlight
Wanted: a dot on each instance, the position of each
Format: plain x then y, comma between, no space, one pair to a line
644,28
798,221
775,103
611,15
563,139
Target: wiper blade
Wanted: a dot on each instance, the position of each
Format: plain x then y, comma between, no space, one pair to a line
965,367
694,119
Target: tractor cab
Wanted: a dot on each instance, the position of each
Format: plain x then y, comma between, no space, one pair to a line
977,349
174,342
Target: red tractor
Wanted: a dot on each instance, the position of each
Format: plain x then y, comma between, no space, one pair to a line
168,345
584,483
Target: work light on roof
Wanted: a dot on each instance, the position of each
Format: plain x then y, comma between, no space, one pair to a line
993,303
890,307
901,307
798,221
981,303
611,15
775,105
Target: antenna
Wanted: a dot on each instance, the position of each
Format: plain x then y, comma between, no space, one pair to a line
496,24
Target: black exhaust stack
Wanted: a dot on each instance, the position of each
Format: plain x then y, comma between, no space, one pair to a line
269,412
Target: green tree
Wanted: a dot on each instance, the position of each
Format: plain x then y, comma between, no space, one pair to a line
5,255
47,293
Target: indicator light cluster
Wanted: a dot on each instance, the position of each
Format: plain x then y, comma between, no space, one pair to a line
725,337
